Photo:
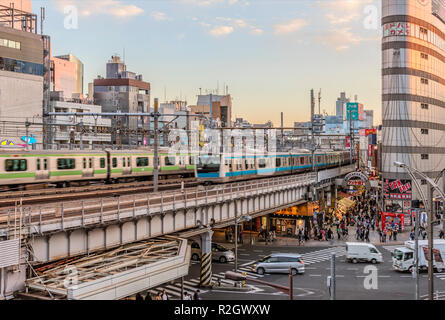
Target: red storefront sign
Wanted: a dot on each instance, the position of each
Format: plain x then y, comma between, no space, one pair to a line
355,183
347,142
388,218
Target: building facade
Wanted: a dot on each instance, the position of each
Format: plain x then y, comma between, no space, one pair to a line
340,105
413,100
84,130
79,71
121,93
21,84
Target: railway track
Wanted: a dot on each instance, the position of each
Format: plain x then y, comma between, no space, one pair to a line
30,197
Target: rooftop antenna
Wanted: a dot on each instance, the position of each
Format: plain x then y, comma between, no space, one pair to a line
165,93
42,18
123,55
217,86
200,91
319,101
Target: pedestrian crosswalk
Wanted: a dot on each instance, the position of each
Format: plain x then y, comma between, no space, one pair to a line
191,285
390,248
440,275
322,255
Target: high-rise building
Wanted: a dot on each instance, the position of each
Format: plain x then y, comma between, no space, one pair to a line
119,93
79,70
413,99
340,105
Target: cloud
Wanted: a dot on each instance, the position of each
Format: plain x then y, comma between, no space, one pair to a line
341,39
114,8
290,26
230,25
256,31
207,3
342,19
159,16
342,11
219,31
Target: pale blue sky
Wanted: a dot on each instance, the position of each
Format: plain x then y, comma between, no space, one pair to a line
269,53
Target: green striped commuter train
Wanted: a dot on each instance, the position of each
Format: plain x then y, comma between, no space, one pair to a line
19,168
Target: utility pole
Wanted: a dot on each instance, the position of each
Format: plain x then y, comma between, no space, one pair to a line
282,132
430,245
416,230
27,124
155,145
350,136
333,282
312,129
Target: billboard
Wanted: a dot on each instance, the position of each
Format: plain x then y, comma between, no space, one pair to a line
438,7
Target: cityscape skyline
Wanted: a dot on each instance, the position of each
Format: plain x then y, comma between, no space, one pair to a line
313,38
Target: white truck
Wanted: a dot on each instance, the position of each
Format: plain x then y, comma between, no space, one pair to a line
403,257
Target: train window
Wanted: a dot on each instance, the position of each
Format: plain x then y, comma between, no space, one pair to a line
170,161
302,160
278,162
192,160
45,164
128,162
90,162
15,165
84,163
142,162
123,162
66,164
114,162
102,162
261,163
38,164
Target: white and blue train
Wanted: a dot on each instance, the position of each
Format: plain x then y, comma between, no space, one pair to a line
227,168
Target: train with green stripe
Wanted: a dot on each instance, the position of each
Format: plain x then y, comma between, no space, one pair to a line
228,167
21,168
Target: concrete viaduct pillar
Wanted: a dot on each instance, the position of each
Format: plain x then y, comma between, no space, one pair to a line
206,259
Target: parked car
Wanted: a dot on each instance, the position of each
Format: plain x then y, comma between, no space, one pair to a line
219,253
362,252
279,263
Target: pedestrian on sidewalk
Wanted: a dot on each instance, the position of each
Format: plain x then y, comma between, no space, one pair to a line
441,234
412,235
384,235
196,295
367,235
395,234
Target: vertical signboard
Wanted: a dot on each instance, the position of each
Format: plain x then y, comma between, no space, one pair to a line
353,108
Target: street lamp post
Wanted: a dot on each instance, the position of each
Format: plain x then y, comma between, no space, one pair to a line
429,205
237,221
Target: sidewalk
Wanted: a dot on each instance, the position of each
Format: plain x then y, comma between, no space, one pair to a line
293,242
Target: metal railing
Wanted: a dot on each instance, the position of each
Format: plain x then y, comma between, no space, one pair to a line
115,209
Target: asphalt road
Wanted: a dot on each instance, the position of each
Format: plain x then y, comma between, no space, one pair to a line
353,281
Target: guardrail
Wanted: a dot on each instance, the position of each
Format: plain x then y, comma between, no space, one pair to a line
84,213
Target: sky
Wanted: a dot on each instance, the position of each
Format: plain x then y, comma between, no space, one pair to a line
270,53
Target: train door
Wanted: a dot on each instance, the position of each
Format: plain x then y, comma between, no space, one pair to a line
42,168
126,166
87,167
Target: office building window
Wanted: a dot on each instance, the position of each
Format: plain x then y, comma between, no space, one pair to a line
424,131
424,81
10,44
424,156
424,56
13,65
424,106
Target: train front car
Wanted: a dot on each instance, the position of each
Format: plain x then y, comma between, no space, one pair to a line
208,168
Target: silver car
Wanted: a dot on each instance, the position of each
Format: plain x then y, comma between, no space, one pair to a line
219,253
279,263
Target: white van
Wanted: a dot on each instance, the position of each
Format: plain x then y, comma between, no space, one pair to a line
359,251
